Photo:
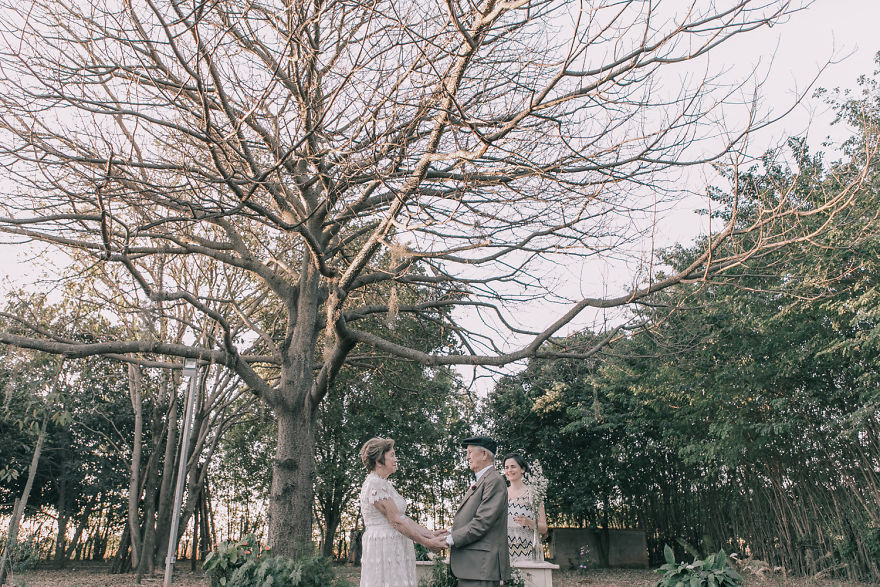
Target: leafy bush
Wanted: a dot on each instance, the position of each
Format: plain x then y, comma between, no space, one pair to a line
267,571
317,571
248,564
712,571
227,557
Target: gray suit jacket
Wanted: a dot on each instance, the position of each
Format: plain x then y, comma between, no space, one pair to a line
479,532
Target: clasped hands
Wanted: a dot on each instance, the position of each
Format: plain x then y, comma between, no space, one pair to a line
437,542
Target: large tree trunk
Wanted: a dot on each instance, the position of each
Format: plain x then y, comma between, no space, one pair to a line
293,473
293,469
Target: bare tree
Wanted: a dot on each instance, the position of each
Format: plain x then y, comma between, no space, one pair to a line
326,150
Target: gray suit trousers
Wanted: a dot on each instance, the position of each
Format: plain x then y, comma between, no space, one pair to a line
467,583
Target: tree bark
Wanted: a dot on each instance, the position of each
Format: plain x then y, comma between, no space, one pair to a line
293,469
293,472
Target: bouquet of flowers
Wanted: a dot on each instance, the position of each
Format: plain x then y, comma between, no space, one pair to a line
537,494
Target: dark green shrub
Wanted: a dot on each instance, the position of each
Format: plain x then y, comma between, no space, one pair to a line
712,571
267,571
246,563
317,571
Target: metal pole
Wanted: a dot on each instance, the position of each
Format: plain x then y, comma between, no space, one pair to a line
190,369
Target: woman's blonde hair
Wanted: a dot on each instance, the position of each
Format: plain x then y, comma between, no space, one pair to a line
373,451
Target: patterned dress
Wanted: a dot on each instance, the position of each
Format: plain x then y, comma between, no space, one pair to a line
389,558
520,540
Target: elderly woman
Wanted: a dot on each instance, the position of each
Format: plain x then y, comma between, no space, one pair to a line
389,558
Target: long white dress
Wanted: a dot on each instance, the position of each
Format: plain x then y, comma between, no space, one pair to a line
389,558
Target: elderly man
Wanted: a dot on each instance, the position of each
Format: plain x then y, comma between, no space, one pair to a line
478,556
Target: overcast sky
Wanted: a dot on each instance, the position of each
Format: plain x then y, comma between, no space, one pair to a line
841,30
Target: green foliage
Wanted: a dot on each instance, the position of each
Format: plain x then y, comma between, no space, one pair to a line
83,459
422,553
547,412
265,572
441,576
272,570
246,563
229,556
712,571
516,579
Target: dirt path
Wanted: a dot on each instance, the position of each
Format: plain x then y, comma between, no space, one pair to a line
97,576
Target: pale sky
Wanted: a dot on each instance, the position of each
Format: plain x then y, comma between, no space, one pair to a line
845,31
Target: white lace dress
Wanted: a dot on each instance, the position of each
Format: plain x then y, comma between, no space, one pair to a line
389,558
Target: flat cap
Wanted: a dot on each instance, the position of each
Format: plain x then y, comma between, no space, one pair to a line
483,441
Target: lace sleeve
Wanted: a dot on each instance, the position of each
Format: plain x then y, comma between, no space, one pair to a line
377,489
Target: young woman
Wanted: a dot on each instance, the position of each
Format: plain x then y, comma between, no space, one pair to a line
521,516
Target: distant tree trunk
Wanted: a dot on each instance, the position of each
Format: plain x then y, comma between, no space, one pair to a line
604,538
150,492
120,558
134,484
18,509
195,538
166,491
63,517
332,520
205,535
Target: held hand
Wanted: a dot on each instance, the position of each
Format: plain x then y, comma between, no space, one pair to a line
436,544
440,532
524,521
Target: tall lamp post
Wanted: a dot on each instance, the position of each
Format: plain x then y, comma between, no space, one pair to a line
191,370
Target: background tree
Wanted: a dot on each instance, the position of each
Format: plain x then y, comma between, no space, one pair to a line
744,414
292,145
